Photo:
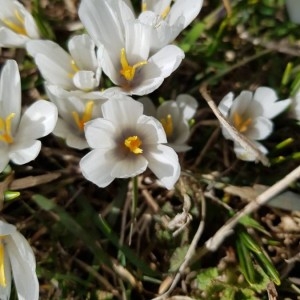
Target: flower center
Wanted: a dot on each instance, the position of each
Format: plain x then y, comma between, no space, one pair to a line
2,269
241,124
18,25
167,124
133,143
127,70
5,129
86,116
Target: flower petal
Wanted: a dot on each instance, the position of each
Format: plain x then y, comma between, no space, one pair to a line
23,267
188,105
25,151
267,98
149,107
163,162
85,80
225,104
151,130
260,128
242,153
10,93
10,39
4,159
96,166
82,50
242,103
167,59
130,166
100,133
38,120
123,111
73,140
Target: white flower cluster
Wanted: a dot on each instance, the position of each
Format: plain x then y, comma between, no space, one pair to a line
126,136
136,54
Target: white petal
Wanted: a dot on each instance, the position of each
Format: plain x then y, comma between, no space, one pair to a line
130,166
181,133
5,290
23,268
54,62
137,37
25,151
100,133
30,26
179,147
103,22
5,228
267,97
82,50
188,105
242,103
151,130
189,9
260,128
242,154
225,104
123,111
4,159
38,120
163,162
9,39
167,59
96,166
73,138
85,80
149,107
10,93
149,84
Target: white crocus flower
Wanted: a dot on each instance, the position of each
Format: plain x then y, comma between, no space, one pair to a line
174,116
17,261
125,142
17,25
166,20
19,134
74,111
125,45
79,70
251,114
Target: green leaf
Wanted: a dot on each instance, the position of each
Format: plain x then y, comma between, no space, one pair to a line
177,258
73,227
206,278
245,260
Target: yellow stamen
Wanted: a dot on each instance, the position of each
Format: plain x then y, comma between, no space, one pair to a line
74,68
167,124
133,143
86,116
165,12
240,124
144,6
2,267
17,28
127,70
5,129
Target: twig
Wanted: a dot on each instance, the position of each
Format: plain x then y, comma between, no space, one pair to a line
214,242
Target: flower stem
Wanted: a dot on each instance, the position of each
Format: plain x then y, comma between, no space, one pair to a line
135,191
